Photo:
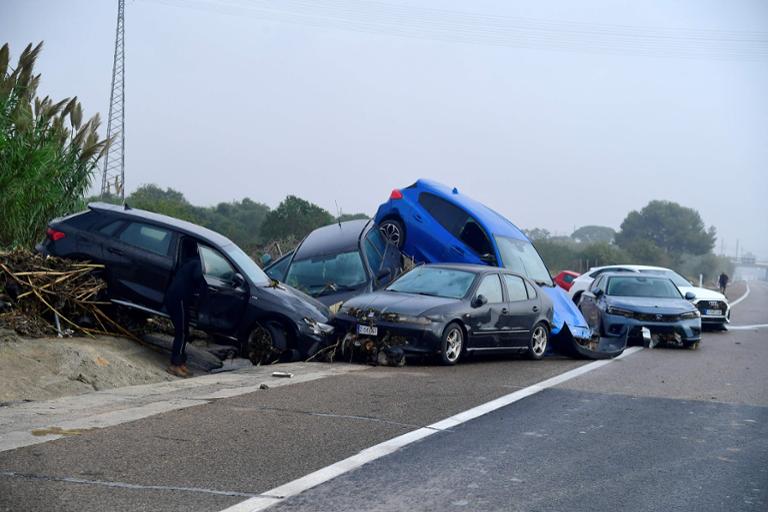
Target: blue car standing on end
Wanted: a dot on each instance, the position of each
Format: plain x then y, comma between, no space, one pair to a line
433,223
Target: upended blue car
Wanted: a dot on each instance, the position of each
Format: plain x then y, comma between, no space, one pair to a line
433,223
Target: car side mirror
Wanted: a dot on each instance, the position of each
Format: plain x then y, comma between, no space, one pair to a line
690,296
480,300
597,293
266,259
238,281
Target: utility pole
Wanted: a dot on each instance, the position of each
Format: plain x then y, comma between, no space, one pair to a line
113,177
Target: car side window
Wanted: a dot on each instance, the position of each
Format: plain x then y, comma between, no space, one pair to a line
449,216
475,237
490,287
598,284
515,288
278,270
109,230
149,238
374,249
531,290
216,265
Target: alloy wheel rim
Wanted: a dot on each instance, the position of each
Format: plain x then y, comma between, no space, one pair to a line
539,340
453,345
391,232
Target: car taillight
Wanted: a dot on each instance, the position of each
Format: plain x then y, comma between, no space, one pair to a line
396,194
55,235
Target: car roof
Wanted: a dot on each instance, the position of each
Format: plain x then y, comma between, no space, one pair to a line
472,267
629,267
182,226
624,274
332,239
493,221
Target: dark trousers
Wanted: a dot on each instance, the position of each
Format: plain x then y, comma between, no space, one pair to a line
180,318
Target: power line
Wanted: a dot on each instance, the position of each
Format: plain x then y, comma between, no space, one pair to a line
465,27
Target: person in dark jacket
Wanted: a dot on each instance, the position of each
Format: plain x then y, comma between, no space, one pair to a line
723,281
179,297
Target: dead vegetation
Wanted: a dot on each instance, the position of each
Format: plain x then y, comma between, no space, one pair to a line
48,296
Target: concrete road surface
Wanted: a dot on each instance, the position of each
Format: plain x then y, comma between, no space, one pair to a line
660,429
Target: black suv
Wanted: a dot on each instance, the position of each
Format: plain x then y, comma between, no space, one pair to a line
141,250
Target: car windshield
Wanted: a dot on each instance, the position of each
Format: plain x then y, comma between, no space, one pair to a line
637,286
328,273
520,256
674,276
247,265
435,281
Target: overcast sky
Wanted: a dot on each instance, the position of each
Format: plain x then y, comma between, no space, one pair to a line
557,114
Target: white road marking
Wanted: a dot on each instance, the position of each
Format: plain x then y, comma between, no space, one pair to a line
746,294
746,327
281,493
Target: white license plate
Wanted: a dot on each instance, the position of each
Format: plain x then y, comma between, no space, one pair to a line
368,330
713,312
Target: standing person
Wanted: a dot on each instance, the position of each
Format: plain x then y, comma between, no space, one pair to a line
178,298
723,282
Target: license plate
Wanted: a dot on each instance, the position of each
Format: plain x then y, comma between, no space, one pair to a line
713,312
368,330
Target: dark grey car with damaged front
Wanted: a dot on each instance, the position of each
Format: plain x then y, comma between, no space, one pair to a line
450,310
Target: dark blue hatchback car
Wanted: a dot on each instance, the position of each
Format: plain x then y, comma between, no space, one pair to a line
433,223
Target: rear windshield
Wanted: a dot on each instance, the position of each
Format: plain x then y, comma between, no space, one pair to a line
654,287
435,281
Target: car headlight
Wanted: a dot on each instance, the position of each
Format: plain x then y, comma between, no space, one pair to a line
416,320
690,314
318,328
621,312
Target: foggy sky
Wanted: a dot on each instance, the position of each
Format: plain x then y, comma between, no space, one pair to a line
556,128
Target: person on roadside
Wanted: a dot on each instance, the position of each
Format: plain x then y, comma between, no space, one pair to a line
179,298
723,281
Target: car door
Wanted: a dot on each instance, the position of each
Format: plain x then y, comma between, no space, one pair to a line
140,262
486,321
382,256
589,303
522,311
440,228
221,308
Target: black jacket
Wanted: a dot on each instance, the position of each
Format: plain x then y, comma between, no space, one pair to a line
187,280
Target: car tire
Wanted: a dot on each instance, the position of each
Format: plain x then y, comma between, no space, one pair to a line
692,345
393,230
538,342
452,344
266,343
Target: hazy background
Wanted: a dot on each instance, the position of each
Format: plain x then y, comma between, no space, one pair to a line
557,114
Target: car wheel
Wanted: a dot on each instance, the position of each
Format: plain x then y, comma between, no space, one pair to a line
393,231
266,343
692,345
537,345
452,344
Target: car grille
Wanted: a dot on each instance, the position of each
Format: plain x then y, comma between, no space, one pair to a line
653,317
704,305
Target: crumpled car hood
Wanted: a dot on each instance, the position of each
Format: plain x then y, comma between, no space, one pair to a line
566,313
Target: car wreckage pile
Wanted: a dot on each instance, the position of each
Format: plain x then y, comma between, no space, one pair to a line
346,292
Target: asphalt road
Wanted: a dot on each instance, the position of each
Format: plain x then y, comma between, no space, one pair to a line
661,429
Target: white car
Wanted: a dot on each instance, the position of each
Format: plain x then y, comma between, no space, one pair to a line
713,306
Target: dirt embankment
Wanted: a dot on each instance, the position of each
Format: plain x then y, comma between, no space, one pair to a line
45,368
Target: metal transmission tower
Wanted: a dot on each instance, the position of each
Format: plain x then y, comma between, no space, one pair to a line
113,178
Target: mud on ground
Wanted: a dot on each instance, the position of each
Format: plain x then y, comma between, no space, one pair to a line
45,368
